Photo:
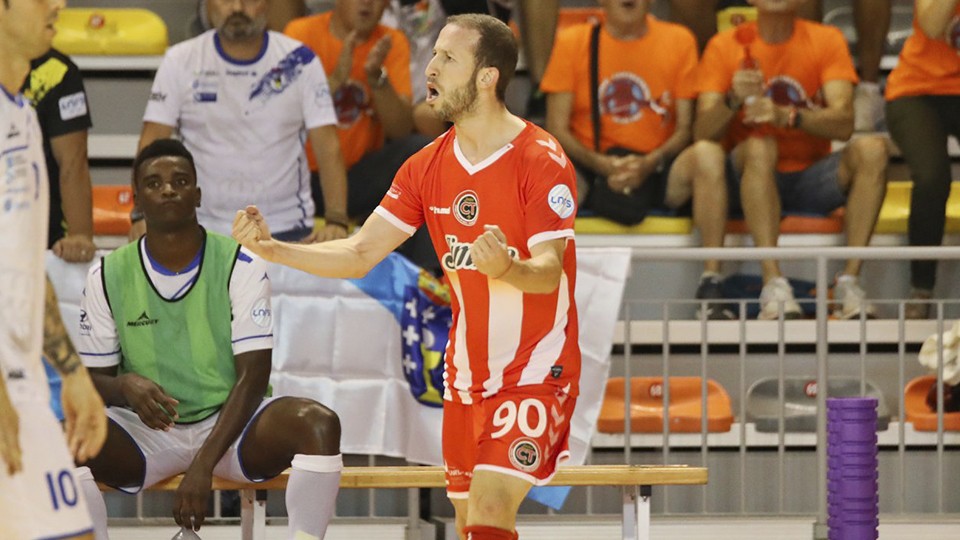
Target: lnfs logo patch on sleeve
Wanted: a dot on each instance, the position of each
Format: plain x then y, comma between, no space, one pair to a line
73,106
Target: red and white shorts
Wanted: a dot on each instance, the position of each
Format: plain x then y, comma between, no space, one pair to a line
523,432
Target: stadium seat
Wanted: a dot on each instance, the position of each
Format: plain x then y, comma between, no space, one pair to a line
800,402
110,31
647,410
917,411
729,17
798,224
111,210
895,212
893,218
650,225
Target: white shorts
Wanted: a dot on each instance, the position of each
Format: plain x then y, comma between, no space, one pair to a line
168,453
42,501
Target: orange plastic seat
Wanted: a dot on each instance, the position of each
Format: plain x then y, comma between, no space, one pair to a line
732,16
647,408
918,414
111,210
832,224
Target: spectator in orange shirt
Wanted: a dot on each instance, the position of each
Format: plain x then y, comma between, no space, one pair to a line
872,20
923,110
646,76
775,102
368,68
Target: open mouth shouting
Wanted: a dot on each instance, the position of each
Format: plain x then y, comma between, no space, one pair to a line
433,93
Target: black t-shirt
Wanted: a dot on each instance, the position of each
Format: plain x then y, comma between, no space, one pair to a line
55,89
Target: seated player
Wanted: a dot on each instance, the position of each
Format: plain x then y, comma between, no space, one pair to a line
184,368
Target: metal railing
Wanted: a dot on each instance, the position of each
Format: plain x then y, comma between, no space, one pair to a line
779,334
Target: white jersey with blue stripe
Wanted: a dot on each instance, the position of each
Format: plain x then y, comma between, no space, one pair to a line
24,208
245,123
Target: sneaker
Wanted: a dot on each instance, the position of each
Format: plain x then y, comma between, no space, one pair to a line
777,294
710,288
850,300
918,307
868,106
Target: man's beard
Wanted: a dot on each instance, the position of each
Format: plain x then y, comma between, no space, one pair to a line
238,26
460,102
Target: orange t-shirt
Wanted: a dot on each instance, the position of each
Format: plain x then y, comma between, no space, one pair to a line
640,82
795,72
359,129
927,66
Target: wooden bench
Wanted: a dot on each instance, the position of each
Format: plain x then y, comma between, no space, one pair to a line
636,482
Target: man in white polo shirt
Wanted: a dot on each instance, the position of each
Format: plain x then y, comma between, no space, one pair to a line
244,100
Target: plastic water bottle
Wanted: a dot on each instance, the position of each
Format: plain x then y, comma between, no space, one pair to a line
185,534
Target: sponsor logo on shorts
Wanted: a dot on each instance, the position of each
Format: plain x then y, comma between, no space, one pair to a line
143,320
466,208
525,455
556,371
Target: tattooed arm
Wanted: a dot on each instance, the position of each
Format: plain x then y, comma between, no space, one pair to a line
83,409
10,457
57,346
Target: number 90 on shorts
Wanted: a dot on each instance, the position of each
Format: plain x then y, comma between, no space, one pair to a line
522,432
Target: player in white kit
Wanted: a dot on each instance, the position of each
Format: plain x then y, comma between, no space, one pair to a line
38,493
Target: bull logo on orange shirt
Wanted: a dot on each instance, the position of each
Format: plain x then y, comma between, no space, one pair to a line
625,96
785,91
351,101
466,207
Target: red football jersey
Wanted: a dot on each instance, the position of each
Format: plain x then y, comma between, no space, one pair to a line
500,337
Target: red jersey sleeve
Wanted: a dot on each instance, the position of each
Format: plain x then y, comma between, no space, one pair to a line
549,191
402,205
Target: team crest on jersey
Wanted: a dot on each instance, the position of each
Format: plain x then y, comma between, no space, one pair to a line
466,207
525,455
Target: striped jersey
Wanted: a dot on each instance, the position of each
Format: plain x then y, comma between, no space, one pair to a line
24,209
500,338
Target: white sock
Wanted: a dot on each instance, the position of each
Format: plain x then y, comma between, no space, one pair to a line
95,505
312,495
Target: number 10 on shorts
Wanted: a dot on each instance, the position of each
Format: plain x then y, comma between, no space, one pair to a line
63,489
